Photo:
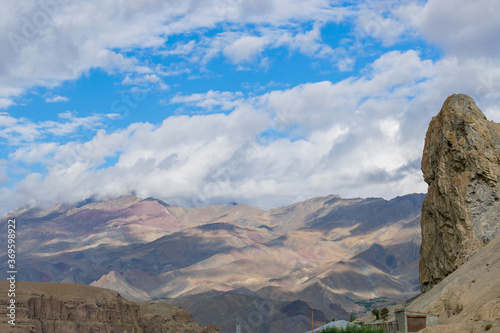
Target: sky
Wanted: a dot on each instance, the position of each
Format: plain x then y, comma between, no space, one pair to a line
263,102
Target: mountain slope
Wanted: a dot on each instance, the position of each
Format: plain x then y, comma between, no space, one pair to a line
469,298
329,252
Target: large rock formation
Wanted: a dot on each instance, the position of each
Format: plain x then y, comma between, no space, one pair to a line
461,164
74,308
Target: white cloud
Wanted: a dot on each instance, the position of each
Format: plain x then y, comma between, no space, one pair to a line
75,37
380,19
20,131
207,101
359,136
463,28
245,48
269,150
56,99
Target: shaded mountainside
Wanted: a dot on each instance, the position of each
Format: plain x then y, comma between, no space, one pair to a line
329,252
251,310
71,308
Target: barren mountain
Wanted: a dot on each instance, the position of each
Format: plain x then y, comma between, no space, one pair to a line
71,308
331,253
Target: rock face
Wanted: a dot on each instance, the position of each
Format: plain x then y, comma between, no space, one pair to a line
461,164
73,308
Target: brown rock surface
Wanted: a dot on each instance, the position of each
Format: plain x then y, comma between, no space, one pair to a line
64,307
461,164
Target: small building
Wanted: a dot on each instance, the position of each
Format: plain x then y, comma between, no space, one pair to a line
410,321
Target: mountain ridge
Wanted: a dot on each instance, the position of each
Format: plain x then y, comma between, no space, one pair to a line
147,249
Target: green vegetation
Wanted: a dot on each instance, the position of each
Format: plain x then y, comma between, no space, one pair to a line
376,313
487,327
375,302
353,329
384,313
352,318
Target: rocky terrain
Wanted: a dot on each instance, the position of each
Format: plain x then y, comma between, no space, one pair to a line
74,308
229,263
461,164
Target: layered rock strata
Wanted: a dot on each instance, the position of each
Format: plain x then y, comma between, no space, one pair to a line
73,308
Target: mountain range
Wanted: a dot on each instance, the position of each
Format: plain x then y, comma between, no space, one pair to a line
229,264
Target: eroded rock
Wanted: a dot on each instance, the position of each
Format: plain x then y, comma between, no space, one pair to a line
461,164
72,308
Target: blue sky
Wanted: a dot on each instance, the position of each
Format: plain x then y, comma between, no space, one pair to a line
265,102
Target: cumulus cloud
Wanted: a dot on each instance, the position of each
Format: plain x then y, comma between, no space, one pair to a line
471,30
362,135
245,48
46,43
356,135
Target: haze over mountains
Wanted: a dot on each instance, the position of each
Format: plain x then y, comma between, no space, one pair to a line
327,252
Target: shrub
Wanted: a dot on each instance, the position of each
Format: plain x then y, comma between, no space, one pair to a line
353,329
376,313
384,313
352,318
487,327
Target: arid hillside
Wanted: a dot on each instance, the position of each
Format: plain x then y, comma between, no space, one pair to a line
333,254
73,308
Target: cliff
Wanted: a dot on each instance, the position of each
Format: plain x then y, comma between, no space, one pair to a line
461,164
71,308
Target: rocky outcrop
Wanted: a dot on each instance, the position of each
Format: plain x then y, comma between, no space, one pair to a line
73,308
461,164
